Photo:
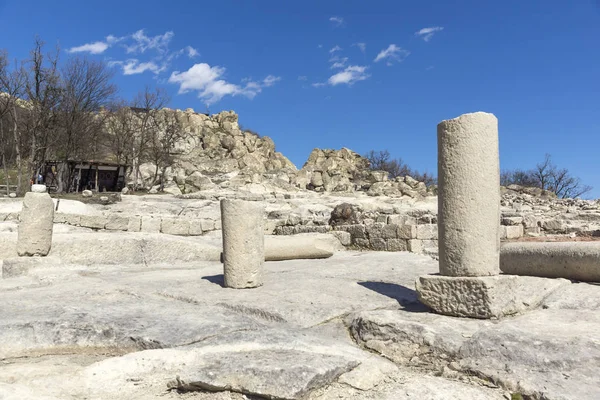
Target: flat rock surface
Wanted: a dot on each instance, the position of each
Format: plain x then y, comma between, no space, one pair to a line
349,326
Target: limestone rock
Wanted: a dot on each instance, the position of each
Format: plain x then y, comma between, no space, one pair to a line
35,226
484,297
87,193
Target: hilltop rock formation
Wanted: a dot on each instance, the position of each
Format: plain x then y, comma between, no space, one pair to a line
215,153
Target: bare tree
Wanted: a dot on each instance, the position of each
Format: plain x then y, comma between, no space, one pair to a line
12,84
42,90
547,176
167,131
382,161
121,126
85,89
145,106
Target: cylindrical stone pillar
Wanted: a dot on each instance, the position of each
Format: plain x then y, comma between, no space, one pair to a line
469,195
243,243
35,226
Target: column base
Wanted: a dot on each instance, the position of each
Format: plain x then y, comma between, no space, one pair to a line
484,297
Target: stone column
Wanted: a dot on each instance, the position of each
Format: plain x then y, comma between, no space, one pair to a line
469,195
243,243
35,226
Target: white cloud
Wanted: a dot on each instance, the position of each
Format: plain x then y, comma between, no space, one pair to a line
338,62
349,76
337,21
211,88
392,52
362,46
143,42
270,80
427,33
134,67
92,48
318,84
192,52
302,78
335,48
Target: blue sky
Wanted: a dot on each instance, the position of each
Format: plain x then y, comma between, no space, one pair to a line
357,74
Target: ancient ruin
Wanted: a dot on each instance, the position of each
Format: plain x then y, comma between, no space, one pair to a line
352,295
243,243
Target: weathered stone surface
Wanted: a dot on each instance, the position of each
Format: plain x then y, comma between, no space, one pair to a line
243,243
468,168
571,260
175,226
18,266
151,224
134,224
71,219
484,297
35,226
550,354
427,232
117,222
302,246
87,193
38,188
408,232
93,221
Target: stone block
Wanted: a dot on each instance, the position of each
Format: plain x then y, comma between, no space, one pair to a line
397,245
175,226
427,232
554,225
382,218
396,219
389,232
510,221
210,225
407,232
151,224
70,219
93,221
375,230
513,231
117,222
344,237
415,246
195,227
357,231
135,224
361,243
378,244
484,297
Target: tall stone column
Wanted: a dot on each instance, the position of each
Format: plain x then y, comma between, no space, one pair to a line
35,226
469,195
470,284
243,243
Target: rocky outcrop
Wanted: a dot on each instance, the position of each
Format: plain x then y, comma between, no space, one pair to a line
346,171
215,153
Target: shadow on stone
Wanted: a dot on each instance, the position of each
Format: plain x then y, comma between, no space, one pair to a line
406,297
216,279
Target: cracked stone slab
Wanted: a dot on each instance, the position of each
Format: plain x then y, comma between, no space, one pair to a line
405,337
546,354
486,296
273,363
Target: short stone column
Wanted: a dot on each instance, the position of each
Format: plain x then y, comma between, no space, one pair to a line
470,284
243,243
469,195
35,226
